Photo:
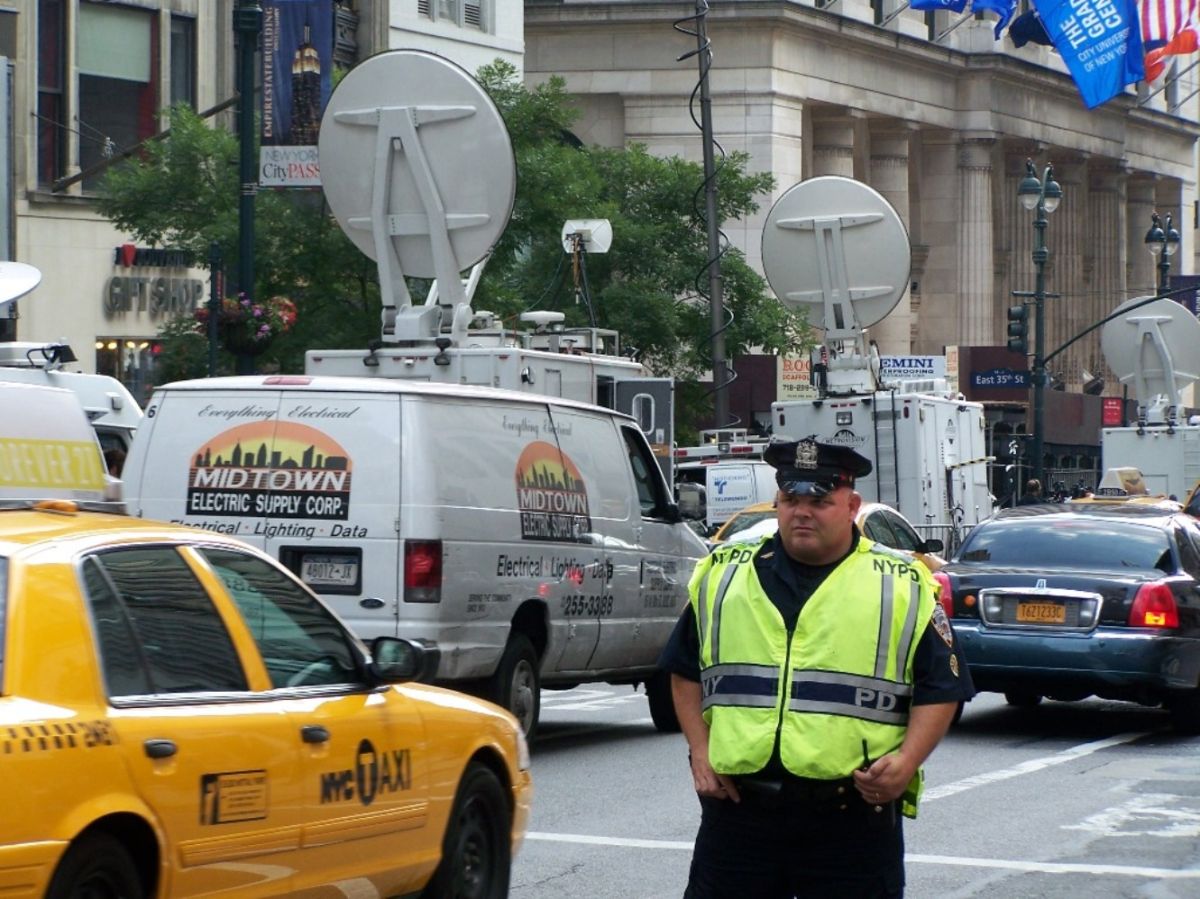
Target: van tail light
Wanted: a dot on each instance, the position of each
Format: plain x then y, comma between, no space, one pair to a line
945,593
1154,606
423,571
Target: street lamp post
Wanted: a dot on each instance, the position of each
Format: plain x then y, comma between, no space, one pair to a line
1162,242
1043,196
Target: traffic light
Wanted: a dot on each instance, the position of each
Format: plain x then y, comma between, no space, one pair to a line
1018,329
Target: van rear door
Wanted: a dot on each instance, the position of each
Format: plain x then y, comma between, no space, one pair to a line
332,516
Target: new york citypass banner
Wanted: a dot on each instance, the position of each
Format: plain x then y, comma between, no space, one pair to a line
1099,40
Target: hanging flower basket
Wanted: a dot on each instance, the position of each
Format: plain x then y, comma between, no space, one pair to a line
246,327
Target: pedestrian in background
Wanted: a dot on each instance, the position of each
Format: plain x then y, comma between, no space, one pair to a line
813,673
1033,493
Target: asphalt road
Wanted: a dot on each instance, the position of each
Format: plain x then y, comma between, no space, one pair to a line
1094,799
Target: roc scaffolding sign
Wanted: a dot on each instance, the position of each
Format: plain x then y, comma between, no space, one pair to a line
297,59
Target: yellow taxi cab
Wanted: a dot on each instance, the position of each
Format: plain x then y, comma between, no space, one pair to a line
1127,486
877,521
180,716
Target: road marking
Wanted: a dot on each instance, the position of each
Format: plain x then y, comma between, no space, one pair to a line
1038,867
1057,867
1028,767
1149,810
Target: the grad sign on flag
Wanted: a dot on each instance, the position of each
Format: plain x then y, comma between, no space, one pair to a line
297,58
1100,42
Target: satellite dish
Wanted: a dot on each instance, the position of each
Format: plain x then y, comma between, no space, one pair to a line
836,247
16,280
418,169
541,319
1156,349
596,235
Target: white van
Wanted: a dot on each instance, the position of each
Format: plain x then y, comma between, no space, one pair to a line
47,449
728,487
530,540
110,407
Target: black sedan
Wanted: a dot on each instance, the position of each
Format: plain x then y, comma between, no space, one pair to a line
1068,601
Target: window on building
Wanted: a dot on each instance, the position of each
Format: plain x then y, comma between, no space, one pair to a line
130,361
117,62
51,101
8,33
183,61
464,13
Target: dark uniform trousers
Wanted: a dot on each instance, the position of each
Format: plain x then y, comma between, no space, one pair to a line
806,839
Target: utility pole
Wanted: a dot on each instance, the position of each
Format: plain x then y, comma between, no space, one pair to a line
247,25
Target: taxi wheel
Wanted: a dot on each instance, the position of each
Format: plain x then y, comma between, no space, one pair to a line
662,703
95,867
516,685
476,853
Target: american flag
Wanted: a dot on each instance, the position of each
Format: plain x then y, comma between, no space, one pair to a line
1170,28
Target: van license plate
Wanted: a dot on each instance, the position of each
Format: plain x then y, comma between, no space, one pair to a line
1041,613
329,571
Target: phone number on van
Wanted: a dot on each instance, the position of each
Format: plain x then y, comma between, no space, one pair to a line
590,606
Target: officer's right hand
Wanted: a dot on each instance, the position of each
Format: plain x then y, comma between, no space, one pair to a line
709,783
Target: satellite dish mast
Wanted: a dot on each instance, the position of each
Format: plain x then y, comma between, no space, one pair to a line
1156,348
16,280
418,170
836,247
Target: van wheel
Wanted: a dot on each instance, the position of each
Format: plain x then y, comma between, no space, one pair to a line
662,703
95,867
515,684
476,851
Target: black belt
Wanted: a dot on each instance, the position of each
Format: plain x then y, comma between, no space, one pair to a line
792,790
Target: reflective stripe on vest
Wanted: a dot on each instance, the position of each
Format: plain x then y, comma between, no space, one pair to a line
835,693
748,686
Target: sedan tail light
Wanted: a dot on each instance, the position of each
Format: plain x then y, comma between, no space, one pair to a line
1154,606
423,571
945,592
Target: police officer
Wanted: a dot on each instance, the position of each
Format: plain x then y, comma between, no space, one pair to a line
813,672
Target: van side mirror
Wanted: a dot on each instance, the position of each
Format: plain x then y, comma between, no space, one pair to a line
932,545
691,501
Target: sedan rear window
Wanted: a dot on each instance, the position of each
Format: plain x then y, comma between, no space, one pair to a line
1068,543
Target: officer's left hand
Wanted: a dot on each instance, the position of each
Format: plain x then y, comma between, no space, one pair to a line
886,779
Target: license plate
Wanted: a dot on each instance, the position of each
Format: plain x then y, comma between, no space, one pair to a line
1041,613
329,571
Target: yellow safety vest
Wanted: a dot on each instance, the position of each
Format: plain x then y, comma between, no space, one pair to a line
845,676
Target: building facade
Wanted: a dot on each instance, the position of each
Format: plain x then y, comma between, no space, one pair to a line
85,81
936,115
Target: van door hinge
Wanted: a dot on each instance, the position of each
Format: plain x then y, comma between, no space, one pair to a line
396,526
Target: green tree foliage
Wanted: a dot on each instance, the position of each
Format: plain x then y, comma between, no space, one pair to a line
652,284
182,191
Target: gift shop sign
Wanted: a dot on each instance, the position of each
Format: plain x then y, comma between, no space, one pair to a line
150,282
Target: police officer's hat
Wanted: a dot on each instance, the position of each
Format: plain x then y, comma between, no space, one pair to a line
811,468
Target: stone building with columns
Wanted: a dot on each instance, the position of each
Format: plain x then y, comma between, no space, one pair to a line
930,110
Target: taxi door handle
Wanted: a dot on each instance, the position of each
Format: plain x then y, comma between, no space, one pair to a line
314,733
160,749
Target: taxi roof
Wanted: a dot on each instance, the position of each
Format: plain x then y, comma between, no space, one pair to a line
61,524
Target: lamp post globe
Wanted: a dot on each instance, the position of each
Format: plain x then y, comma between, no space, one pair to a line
1162,242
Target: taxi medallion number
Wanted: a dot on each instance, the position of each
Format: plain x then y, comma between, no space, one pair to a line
329,571
1041,613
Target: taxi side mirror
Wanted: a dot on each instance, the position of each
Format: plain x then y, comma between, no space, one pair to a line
395,660
932,545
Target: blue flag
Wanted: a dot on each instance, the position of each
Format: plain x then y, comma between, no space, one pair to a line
1002,8
934,5
1099,40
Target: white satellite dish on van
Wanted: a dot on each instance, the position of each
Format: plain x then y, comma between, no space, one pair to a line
418,169
836,247
1155,349
16,280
